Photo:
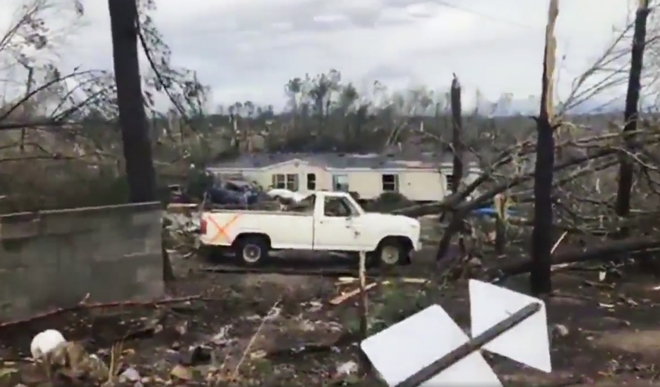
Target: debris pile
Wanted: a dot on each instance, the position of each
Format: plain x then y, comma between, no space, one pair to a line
180,229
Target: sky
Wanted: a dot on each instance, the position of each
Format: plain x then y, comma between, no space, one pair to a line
249,49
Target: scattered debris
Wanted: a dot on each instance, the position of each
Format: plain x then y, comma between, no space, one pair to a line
405,280
345,296
348,368
130,375
560,330
181,373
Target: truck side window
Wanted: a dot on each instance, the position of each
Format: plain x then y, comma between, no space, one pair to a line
337,207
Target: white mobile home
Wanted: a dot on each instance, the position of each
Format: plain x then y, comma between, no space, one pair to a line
369,175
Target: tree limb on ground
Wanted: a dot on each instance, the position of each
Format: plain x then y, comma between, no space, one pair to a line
605,252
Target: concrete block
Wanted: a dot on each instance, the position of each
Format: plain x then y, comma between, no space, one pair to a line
69,222
151,290
11,259
17,307
7,284
41,284
42,251
153,244
17,226
148,267
111,281
146,218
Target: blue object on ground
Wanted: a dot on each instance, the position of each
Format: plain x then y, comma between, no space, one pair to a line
490,211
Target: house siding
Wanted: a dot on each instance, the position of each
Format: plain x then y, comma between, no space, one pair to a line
422,185
366,183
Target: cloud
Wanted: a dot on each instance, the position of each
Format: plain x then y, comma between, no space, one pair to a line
249,49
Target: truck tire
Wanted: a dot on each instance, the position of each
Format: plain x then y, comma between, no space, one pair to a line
390,252
252,250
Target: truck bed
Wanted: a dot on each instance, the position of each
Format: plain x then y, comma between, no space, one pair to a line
263,207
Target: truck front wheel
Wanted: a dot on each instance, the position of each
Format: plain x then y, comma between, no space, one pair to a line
252,250
390,252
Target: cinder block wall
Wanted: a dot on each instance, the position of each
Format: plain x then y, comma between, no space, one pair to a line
54,258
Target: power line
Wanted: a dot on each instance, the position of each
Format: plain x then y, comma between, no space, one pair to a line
487,16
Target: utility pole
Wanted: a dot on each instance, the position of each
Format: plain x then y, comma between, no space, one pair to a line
132,117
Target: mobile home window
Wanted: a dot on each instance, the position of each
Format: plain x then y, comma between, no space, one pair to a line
311,181
279,181
390,183
340,183
292,182
289,181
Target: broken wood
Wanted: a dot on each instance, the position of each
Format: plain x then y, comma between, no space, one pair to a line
405,280
554,268
182,205
558,242
343,297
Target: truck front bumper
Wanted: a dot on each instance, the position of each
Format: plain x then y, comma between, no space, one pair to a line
418,246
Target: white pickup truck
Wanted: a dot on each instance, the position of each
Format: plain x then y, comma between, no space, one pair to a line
331,221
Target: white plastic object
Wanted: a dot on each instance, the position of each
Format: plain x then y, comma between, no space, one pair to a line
45,342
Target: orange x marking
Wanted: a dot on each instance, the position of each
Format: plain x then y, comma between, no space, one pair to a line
222,230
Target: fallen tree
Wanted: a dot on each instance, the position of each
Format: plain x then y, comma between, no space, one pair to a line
606,252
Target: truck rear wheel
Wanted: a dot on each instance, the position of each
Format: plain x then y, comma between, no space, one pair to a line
252,250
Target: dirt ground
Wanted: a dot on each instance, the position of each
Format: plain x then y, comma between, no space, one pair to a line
272,330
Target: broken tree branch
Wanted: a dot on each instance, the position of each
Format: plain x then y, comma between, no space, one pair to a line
605,252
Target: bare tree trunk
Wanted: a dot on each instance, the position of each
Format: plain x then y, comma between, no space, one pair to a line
132,116
456,224
457,126
626,166
540,278
27,108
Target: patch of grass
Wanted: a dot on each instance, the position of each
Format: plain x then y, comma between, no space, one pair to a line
395,303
